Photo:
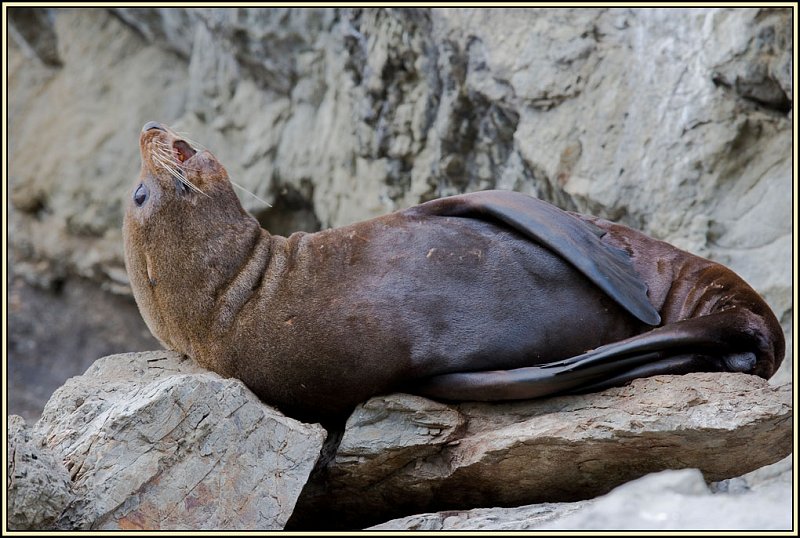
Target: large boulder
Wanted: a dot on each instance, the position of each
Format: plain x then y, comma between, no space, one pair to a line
152,441
403,454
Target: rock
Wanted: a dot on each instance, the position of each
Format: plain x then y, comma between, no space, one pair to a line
378,109
681,500
774,475
668,500
760,69
32,29
153,441
496,519
73,171
386,433
173,29
403,454
38,484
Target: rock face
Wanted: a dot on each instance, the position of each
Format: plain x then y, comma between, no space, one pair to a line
668,500
38,484
677,122
406,454
151,441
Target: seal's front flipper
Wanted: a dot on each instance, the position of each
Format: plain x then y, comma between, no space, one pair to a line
709,343
576,241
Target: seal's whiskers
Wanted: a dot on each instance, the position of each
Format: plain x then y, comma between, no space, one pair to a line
201,147
250,193
163,159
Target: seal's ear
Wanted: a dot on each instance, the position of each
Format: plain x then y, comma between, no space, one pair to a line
576,241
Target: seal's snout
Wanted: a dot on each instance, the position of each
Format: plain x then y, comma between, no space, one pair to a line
152,125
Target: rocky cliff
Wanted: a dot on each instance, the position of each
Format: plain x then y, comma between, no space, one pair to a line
674,121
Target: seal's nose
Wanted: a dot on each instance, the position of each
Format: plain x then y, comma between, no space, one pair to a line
152,125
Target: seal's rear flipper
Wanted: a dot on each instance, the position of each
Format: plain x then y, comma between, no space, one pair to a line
709,343
576,241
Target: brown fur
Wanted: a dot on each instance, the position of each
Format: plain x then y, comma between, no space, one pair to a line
316,323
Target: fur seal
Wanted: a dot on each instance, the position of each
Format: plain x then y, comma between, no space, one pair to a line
493,295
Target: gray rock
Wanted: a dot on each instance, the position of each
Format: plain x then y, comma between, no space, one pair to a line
32,29
672,500
775,475
394,460
386,433
74,148
46,346
351,113
171,28
496,519
668,500
760,69
38,484
153,441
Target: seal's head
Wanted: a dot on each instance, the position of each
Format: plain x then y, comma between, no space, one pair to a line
183,222
177,177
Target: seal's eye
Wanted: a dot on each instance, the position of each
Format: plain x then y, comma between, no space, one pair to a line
141,194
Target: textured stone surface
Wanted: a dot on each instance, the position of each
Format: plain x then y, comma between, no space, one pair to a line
507,519
681,500
668,500
73,150
152,441
777,474
404,454
38,484
32,29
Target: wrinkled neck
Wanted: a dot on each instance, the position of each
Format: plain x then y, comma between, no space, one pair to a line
192,270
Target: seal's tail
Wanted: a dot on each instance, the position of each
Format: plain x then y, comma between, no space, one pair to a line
716,342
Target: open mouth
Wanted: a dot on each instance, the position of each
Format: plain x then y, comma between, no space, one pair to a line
183,151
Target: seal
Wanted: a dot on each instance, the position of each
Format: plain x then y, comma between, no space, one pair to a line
492,295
